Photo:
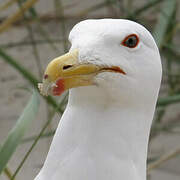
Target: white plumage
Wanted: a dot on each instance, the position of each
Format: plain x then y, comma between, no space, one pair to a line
104,131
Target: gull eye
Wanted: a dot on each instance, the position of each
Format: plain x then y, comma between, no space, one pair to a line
131,41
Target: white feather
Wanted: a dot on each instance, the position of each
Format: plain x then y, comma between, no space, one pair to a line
104,132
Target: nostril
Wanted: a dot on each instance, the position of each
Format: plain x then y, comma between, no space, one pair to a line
66,67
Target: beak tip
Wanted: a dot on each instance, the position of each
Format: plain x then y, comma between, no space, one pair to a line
41,89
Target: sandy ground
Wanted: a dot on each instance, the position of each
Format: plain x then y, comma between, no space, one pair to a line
13,99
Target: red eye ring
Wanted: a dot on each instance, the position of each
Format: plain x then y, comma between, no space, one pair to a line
131,41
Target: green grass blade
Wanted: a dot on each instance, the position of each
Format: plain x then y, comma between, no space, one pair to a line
60,13
32,38
37,139
148,5
30,77
31,9
28,43
172,52
45,135
165,17
27,75
168,100
8,173
15,135
42,31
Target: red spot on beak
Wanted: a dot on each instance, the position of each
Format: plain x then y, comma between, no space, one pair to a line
59,88
45,76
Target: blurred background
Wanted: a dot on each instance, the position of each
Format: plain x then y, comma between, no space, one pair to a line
33,32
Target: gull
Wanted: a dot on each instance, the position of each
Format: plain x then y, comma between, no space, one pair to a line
113,70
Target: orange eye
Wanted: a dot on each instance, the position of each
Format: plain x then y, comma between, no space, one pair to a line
131,41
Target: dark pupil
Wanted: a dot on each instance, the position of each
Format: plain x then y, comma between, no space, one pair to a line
131,41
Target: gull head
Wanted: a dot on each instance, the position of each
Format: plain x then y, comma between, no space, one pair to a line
111,58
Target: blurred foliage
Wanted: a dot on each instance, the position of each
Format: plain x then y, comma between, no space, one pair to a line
163,24
16,134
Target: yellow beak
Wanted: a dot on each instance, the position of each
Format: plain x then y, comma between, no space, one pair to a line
66,72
